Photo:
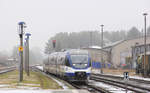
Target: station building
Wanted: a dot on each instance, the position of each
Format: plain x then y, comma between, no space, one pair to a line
118,53
96,55
121,52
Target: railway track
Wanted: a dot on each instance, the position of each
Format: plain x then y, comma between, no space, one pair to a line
90,88
8,69
117,81
121,78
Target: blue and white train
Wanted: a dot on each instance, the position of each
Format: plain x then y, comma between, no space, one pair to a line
73,65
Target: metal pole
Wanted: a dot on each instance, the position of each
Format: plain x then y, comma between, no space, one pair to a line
126,87
28,57
145,70
142,34
91,41
21,26
25,56
102,47
27,50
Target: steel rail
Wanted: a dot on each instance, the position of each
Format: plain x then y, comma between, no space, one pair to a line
121,78
117,83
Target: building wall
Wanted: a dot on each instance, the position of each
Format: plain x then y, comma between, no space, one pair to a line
96,55
124,49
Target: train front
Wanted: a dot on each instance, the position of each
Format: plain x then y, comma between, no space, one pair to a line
80,66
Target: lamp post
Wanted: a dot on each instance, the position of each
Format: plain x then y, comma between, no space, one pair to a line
21,29
102,47
145,69
91,41
27,54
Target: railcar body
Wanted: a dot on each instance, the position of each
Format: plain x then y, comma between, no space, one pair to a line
73,65
140,64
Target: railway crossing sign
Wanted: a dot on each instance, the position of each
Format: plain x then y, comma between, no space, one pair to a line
126,75
20,48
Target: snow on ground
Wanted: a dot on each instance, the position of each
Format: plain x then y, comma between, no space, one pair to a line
97,71
1,86
134,77
61,84
141,78
110,88
24,86
42,91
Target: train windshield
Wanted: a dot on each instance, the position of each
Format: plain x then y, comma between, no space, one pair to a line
79,59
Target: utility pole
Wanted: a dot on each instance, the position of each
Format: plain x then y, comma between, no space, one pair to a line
91,41
21,27
142,35
102,47
145,68
27,53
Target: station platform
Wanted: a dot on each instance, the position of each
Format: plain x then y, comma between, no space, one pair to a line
43,91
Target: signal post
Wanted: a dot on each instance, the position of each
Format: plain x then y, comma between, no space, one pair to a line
21,28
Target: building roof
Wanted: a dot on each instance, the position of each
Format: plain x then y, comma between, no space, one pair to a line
109,46
96,47
114,44
121,41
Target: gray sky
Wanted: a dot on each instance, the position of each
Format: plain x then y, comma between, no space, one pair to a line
45,18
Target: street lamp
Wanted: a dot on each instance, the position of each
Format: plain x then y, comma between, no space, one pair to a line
102,47
145,69
21,29
27,53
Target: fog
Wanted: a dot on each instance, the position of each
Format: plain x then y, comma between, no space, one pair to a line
45,18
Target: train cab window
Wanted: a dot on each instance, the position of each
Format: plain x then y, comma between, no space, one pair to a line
67,62
90,62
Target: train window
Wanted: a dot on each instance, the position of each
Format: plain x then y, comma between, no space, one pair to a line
52,59
49,60
55,59
63,61
67,62
59,61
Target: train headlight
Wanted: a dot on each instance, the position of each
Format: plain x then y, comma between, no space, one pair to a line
85,64
74,64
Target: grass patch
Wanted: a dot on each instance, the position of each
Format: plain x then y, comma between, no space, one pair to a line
47,83
34,80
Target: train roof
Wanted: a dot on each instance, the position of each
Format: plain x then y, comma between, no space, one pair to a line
71,52
77,51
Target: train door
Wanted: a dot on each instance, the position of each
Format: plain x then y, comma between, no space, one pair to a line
62,64
55,65
58,64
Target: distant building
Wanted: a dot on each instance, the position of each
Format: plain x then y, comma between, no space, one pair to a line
122,50
118,53
95,53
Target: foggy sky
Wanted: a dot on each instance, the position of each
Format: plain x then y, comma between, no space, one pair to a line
45,18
